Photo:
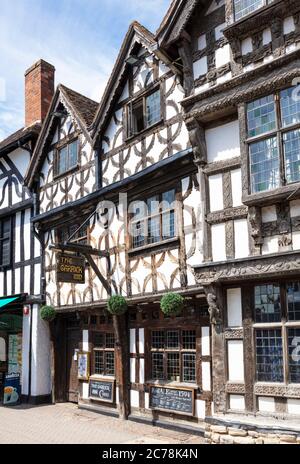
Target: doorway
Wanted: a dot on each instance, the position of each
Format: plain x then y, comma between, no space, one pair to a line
72,383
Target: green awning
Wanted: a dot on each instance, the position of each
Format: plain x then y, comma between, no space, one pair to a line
7,301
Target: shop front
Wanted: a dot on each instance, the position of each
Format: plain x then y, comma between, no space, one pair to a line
11,348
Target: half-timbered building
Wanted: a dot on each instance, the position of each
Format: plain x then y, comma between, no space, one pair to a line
24,338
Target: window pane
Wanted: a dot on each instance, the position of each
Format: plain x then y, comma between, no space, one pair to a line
153,108
62,160
293,296
158,339
189,367
244,7
264,165
99,362
189,339
157,366
168,225
110,340
173,367
294,355
153,205
291,143
110,363
99,340
5,252
154,229
6,228
261,116
137,117
269,361
138,234
173,339
290,106
267,303
73,154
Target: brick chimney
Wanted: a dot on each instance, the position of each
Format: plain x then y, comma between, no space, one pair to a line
39,90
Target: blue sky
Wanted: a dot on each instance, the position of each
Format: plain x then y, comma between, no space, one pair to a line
81,38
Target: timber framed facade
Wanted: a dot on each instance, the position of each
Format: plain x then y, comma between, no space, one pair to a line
202,113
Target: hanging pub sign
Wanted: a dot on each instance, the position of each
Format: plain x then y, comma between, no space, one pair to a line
178,400
12,390
70,269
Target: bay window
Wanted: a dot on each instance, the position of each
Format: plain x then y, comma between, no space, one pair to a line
277,332
273,139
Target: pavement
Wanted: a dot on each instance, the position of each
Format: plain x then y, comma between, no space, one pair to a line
66,424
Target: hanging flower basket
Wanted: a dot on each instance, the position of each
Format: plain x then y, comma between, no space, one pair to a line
117,305
48,313
172,304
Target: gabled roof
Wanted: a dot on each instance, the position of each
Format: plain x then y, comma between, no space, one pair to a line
142,35
19,137
83,109
176,19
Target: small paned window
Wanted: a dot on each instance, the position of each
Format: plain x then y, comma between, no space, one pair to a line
144,113
104,353
5,242
244,7
67,157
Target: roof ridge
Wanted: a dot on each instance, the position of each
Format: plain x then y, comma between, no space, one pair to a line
68,89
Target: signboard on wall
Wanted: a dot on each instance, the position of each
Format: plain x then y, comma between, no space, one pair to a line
83,360
12,390
178,400
102,390
70,269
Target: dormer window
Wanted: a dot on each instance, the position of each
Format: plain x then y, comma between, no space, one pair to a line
244,7
143,113
67,158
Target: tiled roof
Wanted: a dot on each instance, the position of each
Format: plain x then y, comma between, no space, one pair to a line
84,107
20,134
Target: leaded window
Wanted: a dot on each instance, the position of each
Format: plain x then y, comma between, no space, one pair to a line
244,7
104,353
67,158
173,355
144,113
273,139
277,332
5,242
153,221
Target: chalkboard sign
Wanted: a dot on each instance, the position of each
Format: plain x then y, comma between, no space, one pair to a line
102,390
178,400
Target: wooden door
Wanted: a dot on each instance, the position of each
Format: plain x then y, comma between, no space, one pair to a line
72,386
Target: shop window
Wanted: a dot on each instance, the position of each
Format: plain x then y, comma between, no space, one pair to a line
67,158
153,221
104,353
244,7
144,113
173,355
277,332
2,350
5,242
274,140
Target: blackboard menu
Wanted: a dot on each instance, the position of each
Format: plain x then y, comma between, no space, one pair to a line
180,401
102,390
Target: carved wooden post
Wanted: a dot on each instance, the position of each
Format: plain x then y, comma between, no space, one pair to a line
185,52
215,301
122,364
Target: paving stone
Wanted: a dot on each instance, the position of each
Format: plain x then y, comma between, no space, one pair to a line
288,438
219,429
243,441
226,440
237,432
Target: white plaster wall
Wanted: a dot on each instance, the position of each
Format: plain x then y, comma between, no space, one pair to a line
295,208
235,351
247,46
85,340
21,159
219,31
234,307
223,142
27,275
236,184
142,371
267,36
141,341
200,409
270,245
296,240
293,406
206,376
9,282
241,238
202,42
222,56
288,25
85,390
40,361
132,341
205,341
216,192
27,234
237,402
218,242
200,67
25,353
132,370
266,404
134,398
268,214
18,238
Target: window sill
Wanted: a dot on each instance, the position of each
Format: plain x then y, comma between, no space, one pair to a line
102,377
287,192
163,383
144,131
66,173
154,246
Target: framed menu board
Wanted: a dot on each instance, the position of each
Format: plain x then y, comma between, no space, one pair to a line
102,390
83,360
178,400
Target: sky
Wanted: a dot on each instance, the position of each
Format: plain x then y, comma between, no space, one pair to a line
81,38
